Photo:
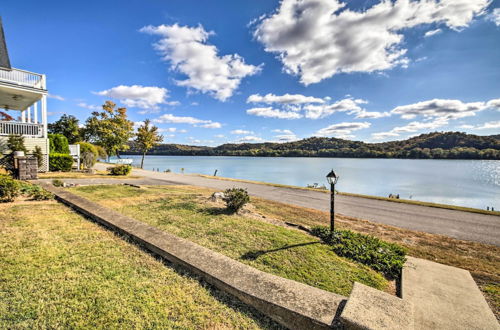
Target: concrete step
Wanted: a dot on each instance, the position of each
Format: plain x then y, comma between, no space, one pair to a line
444,297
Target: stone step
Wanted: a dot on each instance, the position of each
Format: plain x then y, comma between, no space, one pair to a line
444,297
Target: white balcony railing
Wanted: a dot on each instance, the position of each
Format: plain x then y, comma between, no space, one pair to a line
17,128
23,78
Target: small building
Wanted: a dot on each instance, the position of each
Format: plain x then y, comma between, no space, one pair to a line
23,106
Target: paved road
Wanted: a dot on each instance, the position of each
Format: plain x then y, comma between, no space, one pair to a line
457,224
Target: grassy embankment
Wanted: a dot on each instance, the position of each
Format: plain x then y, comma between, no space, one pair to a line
181,210
405,201
59,270
186,212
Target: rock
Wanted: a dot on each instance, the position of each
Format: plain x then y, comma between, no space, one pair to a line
217,196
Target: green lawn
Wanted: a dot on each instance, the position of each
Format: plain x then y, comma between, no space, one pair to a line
185,212
59,270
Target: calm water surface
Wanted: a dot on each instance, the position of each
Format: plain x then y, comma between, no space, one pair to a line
473,183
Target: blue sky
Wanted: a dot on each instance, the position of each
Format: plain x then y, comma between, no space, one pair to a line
211,72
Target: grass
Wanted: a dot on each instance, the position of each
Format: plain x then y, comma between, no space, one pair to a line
82,175
405,201
482,260
185,212
59,270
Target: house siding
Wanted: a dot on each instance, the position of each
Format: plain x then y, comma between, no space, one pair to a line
30,144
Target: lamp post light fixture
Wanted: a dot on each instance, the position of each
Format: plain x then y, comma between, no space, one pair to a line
332,178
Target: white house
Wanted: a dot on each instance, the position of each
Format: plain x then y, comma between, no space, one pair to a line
23,96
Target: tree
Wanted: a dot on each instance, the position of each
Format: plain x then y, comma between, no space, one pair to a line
109,128
147,138
68,126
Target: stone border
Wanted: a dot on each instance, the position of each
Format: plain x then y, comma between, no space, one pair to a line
290,303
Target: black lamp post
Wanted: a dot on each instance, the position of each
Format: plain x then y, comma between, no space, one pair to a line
332,178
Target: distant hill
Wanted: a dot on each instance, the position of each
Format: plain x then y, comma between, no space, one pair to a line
438,145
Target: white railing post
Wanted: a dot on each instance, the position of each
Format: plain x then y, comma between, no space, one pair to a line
35,112
44,115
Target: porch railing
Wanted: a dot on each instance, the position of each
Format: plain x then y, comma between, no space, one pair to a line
23,78
17,128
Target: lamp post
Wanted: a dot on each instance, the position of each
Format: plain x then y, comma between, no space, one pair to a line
332,178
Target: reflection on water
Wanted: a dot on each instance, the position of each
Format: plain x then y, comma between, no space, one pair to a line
473,183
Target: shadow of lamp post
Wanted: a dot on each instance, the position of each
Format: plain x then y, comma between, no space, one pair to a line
332,178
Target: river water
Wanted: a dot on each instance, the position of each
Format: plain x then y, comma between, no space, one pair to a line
473,183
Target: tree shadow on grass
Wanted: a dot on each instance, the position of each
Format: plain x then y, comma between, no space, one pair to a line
216,211
253,255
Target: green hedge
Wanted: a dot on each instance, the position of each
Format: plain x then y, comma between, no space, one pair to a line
58,144
60,162
387,258
120,170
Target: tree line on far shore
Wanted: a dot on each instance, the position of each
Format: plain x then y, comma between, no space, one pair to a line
436,145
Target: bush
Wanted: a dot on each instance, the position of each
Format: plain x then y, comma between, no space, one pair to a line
35,192
58,144
57,183
60,162
86,147
9,188
120,170
235,199
387,258
16,143
102,154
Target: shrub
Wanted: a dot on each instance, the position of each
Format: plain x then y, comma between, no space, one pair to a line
86,148
16,143
235,199
57,183
102,154
9,188
39,155
387,258
120,170
60,162
58,144
35,192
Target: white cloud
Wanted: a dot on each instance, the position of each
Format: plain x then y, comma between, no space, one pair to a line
316,39
220,136
447,109
169,129
495,16
363,114
269,112
432,33
55,97
321,111
342,130
89,106
136,96
241,132
412,127
169,118
187,51
211,125
283,99
286,137
250,138
283,131
487,125
493,104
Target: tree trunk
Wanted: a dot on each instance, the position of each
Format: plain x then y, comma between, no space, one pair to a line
142,161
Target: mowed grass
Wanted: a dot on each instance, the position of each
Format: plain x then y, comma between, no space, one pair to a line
184,211
482,260
59,270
